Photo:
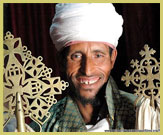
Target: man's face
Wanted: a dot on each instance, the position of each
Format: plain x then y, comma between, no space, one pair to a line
88,67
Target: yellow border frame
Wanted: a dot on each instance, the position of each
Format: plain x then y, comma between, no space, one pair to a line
62,1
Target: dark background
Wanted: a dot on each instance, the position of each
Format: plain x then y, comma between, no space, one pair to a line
31,22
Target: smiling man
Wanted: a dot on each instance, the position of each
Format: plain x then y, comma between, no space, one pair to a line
86,36
88,67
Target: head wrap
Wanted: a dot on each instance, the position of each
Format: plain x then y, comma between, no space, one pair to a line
84,22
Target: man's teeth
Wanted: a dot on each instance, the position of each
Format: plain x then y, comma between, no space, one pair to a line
88,82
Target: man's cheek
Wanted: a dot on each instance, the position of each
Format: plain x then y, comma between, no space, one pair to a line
72,69
71,74
106,74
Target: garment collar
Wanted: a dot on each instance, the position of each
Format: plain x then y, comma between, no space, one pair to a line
112,97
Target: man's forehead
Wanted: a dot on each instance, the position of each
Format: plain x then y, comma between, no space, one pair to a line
88,46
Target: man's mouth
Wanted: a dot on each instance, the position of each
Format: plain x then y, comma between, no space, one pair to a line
88,80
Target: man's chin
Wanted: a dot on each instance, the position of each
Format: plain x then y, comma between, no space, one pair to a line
84,100
85,96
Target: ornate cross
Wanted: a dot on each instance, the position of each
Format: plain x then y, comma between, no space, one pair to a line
145,76
28,76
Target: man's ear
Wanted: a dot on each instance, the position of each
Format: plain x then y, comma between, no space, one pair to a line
113,57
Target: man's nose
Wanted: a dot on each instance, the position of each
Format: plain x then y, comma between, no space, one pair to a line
87,66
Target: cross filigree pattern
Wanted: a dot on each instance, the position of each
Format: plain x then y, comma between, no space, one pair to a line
28,76
145,76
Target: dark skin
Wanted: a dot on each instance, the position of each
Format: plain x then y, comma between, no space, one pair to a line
88,67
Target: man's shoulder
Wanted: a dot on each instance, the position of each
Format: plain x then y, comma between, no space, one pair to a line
130,97
127,103
59,105
120,95
126,109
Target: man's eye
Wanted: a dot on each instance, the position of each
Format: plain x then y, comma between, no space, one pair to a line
98,55
76,56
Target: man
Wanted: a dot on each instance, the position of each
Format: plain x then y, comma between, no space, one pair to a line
86,36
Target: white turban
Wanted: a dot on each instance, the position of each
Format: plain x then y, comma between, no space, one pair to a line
85,22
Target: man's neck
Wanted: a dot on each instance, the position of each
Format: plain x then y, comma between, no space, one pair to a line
86,111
